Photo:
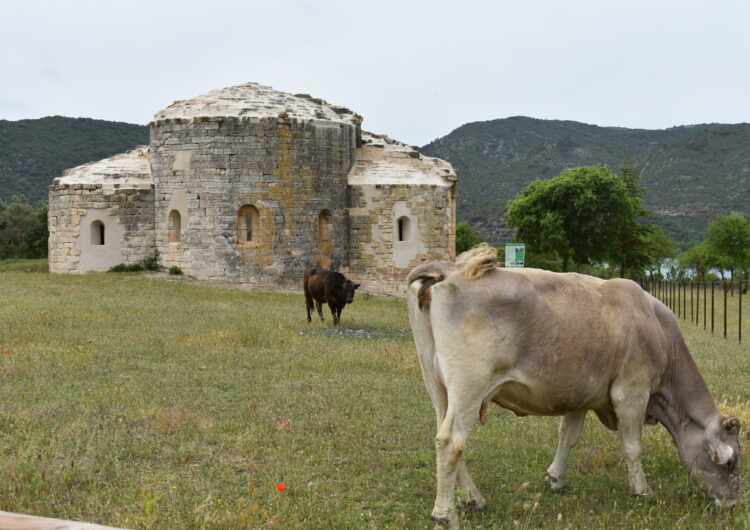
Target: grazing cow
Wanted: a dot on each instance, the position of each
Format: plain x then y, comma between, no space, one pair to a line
544,343
330,287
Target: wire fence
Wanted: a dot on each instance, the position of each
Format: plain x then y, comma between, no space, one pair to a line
715,305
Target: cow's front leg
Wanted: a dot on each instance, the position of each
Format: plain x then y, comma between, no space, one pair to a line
570,430
630,411
319,307
335,312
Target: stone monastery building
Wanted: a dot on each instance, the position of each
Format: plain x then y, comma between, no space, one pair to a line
252,186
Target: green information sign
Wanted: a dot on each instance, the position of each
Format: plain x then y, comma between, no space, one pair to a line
515,254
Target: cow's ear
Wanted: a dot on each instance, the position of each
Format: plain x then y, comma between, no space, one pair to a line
730,424
357,285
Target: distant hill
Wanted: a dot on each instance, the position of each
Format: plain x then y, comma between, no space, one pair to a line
691,173
33,152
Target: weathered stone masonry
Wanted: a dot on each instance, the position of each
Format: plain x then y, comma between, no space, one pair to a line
252,186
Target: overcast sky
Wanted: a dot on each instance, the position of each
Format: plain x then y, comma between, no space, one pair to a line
415,70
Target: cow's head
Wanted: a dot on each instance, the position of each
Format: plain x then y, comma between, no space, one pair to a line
349,288
715,460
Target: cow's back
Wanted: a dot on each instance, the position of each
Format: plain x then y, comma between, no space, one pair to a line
554,342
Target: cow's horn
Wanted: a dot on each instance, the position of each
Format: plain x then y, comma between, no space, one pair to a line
730,423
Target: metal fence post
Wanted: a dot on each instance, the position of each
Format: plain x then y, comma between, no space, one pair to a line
725,309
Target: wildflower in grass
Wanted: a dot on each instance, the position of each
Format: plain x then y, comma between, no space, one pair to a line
6,351
285,422
280,487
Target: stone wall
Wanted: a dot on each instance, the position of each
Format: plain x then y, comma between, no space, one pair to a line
207,169
79,213
381,257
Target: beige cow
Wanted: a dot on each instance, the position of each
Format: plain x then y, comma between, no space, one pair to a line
544,343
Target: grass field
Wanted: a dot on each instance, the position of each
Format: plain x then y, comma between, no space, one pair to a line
145,402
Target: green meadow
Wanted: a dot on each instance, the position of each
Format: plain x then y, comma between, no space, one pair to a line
147,401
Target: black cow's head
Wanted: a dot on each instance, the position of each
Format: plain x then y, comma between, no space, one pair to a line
349,288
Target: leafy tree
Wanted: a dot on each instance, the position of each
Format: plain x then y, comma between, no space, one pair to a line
465,237
37,237
699,260
17,220
728,238
577,214
637,242
658,249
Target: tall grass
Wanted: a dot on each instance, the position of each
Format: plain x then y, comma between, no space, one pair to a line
146,402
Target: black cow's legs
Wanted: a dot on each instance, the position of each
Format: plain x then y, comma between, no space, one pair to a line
319,306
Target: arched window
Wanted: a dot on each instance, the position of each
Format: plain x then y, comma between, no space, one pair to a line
248,224
97,233
175,227
403,228
324,227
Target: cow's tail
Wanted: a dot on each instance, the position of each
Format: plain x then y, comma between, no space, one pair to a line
418,297
423,277
478,261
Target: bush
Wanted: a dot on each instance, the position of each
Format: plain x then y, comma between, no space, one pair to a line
465,237
126,267
175,270
152,263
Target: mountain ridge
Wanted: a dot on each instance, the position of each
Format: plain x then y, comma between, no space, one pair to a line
691,173
35,151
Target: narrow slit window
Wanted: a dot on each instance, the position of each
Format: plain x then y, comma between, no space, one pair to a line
175,227
248,224
324,226
97,233
248,227
403,228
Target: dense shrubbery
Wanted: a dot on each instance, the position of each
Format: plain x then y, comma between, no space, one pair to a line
147,264
23,229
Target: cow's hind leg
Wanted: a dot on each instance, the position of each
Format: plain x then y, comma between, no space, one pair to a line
450,444
630,409
570,430
308,305
319,308
475,501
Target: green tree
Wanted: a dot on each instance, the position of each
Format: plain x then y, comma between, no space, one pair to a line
636,244
465,237
728,239
17,219
658,249
699,260
37,236
577,214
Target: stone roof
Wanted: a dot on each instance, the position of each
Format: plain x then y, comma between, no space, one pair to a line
252,100
126,170
382,160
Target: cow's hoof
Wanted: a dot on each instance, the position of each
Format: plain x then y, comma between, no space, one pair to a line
473,505
555,484
445,520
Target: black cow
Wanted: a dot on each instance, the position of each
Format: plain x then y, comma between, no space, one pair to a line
330,287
